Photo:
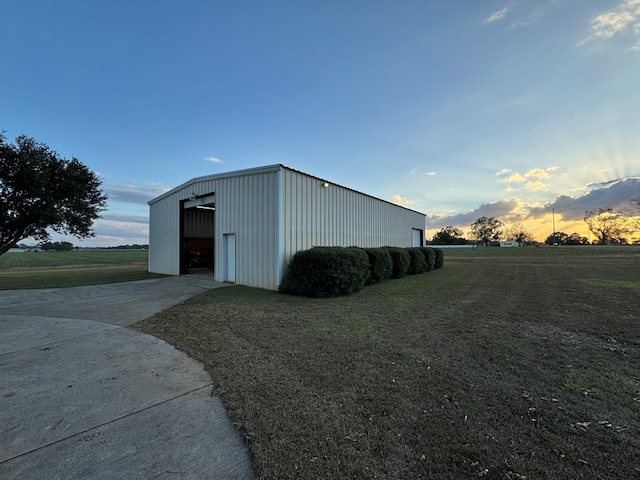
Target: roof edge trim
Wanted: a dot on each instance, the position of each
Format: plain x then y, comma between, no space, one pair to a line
236,173
265,169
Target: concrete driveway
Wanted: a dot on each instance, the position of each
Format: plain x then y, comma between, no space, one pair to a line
82,396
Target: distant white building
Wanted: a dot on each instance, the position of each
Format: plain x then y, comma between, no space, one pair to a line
511,243
248,224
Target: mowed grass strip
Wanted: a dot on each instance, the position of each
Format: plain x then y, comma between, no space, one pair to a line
508,369
12,261
71,269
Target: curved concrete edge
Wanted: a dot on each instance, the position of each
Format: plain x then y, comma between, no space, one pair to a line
85,399
122,303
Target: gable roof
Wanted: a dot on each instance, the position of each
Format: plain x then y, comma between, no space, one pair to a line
264,169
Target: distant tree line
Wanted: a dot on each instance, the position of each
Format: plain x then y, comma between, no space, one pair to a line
67,246
484,231
561,238
607,226
57,246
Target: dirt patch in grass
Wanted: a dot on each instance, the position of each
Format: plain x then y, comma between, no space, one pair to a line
491,369
576,339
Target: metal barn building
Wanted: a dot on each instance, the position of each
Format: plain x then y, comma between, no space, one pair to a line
246,225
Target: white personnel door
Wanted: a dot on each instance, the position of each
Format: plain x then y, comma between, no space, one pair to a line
416,237
229,257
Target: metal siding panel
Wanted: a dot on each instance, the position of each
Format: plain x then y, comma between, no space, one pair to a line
164,227
164,237
314,215
274,214
198,223
247,206
280,219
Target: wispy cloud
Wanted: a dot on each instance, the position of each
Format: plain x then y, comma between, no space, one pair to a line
522,14
131,193
126,218
515,177
417,171
531,179
612,194
537,173
535,185
213,159
614,22
123,230
500,209
497,16
403,200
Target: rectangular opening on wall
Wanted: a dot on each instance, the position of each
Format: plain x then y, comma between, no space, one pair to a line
229,256
197,232
417,237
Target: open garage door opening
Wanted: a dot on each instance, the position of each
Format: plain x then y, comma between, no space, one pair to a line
197,232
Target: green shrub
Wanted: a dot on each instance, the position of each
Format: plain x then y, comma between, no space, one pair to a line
429,257
400,258
417,262
380,265
439,258
326,272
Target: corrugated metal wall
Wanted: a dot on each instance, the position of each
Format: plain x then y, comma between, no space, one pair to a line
337,216
198,223
246,205
274,212
164,226
164,235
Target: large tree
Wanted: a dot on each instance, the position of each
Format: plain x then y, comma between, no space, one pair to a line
607,225
39,190
449,236
519,233
486,230
557,238
633,213
577,239
561,238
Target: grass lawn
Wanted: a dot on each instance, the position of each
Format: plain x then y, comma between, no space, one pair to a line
71,269
505,364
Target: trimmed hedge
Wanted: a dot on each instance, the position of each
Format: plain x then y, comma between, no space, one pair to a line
417,262
429,257
326,272
334,271
380,265
400,258
439,258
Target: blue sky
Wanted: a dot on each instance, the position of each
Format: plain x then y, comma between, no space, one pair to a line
455,109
